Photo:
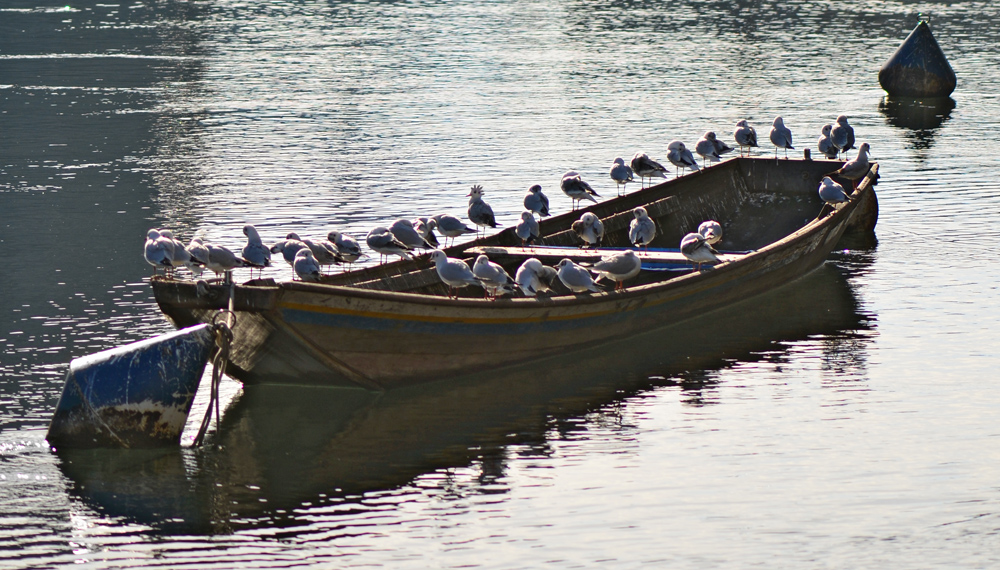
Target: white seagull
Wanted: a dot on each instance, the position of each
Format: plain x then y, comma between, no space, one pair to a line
711,230
158,251
619,267
306,266
425,227
856,169
781,136
255,251
842,135
589,228
642,229
480,213
349,248
532,277
222,260
380,239
576,278
708,148
680,157
493,277
537,202
697,250
831,192
621,174
455,273
745,135
646,167
451,227
825,143
527,228
199,253
288,247
573,185
404,231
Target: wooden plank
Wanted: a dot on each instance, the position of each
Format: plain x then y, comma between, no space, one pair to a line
576,254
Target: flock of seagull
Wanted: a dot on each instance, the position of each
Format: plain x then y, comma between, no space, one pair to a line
307,257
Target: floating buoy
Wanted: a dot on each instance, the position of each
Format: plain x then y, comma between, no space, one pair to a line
137,395
918,68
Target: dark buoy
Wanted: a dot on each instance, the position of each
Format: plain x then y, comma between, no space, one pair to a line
918,68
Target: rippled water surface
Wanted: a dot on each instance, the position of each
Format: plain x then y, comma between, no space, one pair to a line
848,420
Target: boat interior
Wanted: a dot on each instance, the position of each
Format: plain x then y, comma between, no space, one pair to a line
757,201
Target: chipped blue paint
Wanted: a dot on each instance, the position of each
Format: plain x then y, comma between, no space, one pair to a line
137,395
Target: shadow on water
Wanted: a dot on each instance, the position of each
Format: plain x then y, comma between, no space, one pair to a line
280,448
920,119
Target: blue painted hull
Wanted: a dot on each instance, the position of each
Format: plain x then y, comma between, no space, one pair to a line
137,395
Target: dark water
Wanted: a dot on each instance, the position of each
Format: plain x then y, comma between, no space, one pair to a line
846,421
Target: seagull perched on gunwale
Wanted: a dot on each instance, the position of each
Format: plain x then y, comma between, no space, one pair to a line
697,250
842,135
537,202
573,185
589,228
621,174
831,192
532,277
680,157
856,169
576,278
493,277
480,213
781,136
745,135
646,167
306,266
642,229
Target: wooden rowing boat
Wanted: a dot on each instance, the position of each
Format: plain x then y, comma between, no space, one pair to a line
391,325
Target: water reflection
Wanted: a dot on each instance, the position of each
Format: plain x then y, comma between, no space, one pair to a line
919,119
283,451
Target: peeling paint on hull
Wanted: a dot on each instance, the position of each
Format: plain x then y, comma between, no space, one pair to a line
137,395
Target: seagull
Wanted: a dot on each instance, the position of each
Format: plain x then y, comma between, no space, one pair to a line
831,192
493,277
255,251
403,230
697,250
199,253
455,273
451,227
621,174
381,240
589,228
425,228
527,228
708,148
781,137
535,201
642,229
619,267
222,260
573,186
325,252
530,277
180,256
480,213
745,135
306,265
856,169
288,247
842,135
348,247
711,230
825,143
680,157
646,167
720,147
159,251
576,278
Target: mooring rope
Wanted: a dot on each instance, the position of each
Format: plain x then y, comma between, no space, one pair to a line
223,341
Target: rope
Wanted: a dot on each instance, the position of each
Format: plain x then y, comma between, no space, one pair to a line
223,342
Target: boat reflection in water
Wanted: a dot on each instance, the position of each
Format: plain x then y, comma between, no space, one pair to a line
282,447
919,118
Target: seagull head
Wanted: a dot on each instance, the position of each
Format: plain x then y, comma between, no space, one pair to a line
619,160
437,256
742,123
152,234
640,213
535,188
842,120
476,190
826,129
779,122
